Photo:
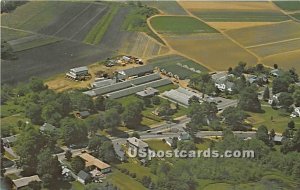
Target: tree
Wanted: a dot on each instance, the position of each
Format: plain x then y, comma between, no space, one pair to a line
234,117
112,119
94,144
48,164
132,114
239,69
186,145
262,134
113,104
155,100
296,96
266,94
50,113
135,134
285,99
106,152
82,101
193,99
291,125
33,112
77,164
248,100
36,85
65,102
202,82
68,155
99,103
165,109
281,84
35,185
73,131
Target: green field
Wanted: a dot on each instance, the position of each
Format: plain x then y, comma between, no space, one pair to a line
167,7
34,15
179,25
241,16
296,15
170,64
158,145
96,33
288,5
279,122
124,182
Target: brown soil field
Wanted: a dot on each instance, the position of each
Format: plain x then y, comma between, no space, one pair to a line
221,5
236,25
256,35
284,60
212,50
271,49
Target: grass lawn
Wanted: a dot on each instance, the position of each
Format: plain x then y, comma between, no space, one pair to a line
166,88
203,145
77,186
158,145
9,108
124,182
180,25
10,34
140,171
279,122
97,32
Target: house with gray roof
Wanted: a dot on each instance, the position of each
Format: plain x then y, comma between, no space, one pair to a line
24,181
84,177
76,73
147,92
134,145
120,154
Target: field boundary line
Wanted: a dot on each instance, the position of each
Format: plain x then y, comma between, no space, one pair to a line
271,43
284,12
296,50
225,35
80,13
88,22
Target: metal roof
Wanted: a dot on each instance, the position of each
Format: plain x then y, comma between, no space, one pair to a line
135,89
122,85
102,83
135,71
79,69
180,95
147,92
22,182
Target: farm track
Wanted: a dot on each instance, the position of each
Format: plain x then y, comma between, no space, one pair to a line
271,43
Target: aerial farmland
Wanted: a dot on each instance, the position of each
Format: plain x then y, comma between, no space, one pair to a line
150,95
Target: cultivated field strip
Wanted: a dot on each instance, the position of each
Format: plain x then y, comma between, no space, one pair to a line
271,49
258,35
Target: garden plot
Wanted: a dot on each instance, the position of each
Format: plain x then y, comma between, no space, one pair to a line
257,35
214,51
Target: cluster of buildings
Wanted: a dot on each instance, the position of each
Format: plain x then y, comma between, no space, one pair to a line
124,60
78,73
127,82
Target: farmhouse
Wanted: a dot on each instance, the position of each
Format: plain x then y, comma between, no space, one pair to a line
84,177
23,182
221,81
92,161
180,95
134,145
134,72
147,92
77,73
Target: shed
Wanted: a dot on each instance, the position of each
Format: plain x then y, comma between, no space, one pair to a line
83,177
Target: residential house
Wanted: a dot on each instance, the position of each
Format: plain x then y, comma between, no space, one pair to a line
222,82
147,92
275,72
135,145
23,182
84,177
274,98
296,112
47,127
278,139
92,161
8,141
169,141
184,136
120,154
82,114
